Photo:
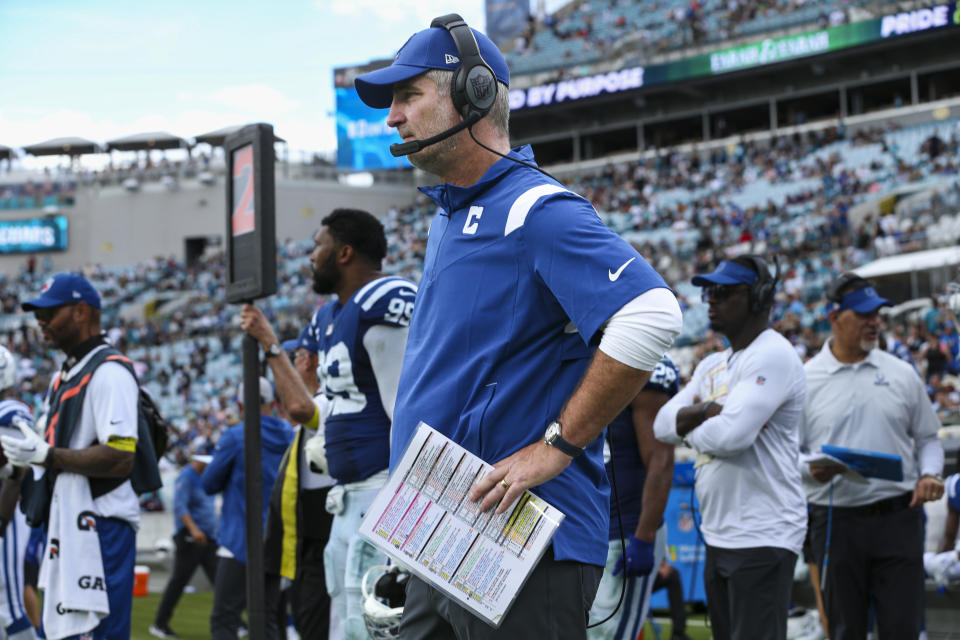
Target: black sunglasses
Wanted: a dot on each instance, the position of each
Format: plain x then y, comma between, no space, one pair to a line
45,314
720,292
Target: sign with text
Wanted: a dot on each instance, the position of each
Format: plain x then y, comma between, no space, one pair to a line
363,137
251,216
33,235
752,55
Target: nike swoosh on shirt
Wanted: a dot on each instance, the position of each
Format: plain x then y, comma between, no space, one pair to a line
116,421
613,275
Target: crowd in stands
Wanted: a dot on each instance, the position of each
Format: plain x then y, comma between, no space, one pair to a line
588,31
37,195
792,197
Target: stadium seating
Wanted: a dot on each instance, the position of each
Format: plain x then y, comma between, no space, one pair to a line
791,195
27,194
584,33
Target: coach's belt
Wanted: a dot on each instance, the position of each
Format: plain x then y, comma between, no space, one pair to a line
878,508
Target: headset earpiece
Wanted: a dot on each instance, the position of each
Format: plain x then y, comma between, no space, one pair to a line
473,88
765,287
841,283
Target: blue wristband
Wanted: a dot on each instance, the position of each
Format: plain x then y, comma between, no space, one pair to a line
703,412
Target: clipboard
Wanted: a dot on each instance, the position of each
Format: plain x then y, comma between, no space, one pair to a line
870,464
423,520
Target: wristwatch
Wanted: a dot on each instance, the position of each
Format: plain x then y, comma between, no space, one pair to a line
553,437
273,350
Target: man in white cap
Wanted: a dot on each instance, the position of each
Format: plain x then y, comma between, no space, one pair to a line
225,474
195,523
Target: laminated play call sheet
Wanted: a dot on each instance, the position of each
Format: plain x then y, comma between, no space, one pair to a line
424,519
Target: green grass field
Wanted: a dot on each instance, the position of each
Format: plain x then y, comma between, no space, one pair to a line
191,619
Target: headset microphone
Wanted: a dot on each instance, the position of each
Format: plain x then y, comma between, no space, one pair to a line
406,148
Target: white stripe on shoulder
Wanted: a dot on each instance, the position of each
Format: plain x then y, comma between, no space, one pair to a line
522,205
365,289
385,288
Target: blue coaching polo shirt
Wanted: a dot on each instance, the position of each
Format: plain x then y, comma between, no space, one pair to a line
519,275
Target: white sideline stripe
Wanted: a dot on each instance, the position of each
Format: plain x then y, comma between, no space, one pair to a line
522,205
691,621
383,290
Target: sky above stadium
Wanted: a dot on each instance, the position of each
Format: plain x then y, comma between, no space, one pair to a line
101,69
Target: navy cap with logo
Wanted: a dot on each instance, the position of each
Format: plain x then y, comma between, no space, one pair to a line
304,341
431,48
64,288
727,272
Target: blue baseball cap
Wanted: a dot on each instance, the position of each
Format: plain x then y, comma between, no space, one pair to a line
64,288
863,300
431,48
727,272
304,341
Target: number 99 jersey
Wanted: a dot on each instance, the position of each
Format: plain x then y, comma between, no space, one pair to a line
361,352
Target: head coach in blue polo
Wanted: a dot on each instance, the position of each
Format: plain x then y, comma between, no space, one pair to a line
520,280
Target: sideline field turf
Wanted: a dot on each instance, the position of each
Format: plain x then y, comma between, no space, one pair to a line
191,619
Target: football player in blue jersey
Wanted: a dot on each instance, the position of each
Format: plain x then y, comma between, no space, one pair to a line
520,280
643,469
14,622
361,337
952,522
944,566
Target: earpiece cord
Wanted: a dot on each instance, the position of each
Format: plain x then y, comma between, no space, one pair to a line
526,164
616,497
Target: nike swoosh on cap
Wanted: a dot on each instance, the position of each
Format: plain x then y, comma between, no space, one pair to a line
614,275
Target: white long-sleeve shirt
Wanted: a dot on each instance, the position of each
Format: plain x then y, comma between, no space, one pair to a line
748,483
877,404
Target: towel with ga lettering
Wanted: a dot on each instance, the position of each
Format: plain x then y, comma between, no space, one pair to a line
71,572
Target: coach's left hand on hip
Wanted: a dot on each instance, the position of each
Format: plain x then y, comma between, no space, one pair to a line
531,466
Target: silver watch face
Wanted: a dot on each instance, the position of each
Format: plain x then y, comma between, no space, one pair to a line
553,432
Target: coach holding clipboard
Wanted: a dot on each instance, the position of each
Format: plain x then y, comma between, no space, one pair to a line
861,397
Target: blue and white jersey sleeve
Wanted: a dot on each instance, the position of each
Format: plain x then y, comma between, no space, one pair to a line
389,302
665,378
953,491
388,308
11,409
590,270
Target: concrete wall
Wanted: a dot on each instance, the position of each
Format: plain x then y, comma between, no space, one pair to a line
111,226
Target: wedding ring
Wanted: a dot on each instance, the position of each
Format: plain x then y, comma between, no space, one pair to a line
505,484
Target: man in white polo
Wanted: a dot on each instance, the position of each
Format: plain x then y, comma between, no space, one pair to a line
861,397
